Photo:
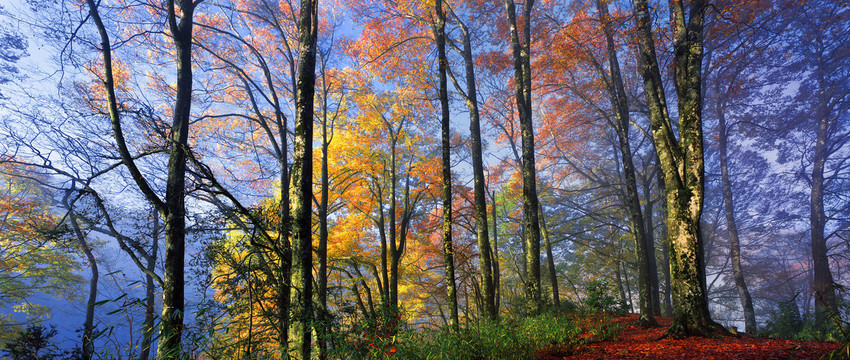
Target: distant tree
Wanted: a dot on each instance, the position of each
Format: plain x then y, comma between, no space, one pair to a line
35,343
13,47
33,255
825,57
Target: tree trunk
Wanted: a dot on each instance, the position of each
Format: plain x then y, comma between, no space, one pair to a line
88,323
825,301
172,209
323,328
302,186
150,290
681,161
448,251
649,225
553,277
522,88
496,274
479,186
620,103
731,225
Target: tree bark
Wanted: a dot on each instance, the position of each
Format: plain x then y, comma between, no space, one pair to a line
150,290
172,209
497,279
88,323
448,250
619,101
521,52
323,328
553,277
825,300
731,224
302,186
479,188
681,160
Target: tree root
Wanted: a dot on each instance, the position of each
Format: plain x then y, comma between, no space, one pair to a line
709,329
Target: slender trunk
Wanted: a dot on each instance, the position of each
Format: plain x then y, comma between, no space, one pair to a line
172,209
731,225
621,287
497,278
619,100
150,290
384,281
521,51
667,301
88,324
629,297
553,277
302,186
284,228
649,226
392,287
323,328
479,188
448,251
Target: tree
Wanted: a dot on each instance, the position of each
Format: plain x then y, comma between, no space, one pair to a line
35,343
88,324
302,184
521,52
13,47
825,56
470,96
448,250
172,209
619,101
681,160
34,257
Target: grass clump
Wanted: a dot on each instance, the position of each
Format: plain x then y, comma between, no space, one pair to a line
510,339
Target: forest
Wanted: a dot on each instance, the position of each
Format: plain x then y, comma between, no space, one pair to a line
438,179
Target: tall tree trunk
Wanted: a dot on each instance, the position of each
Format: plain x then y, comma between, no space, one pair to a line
448,251
170,338
521,51
620,103
731,225
172,209
681,160
285,254
302,185
825,301
479,186
323,328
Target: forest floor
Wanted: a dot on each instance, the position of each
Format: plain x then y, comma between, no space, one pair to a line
634,342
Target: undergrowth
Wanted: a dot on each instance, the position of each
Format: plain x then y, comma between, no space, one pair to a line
509,339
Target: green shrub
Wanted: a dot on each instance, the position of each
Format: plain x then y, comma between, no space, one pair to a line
600,299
